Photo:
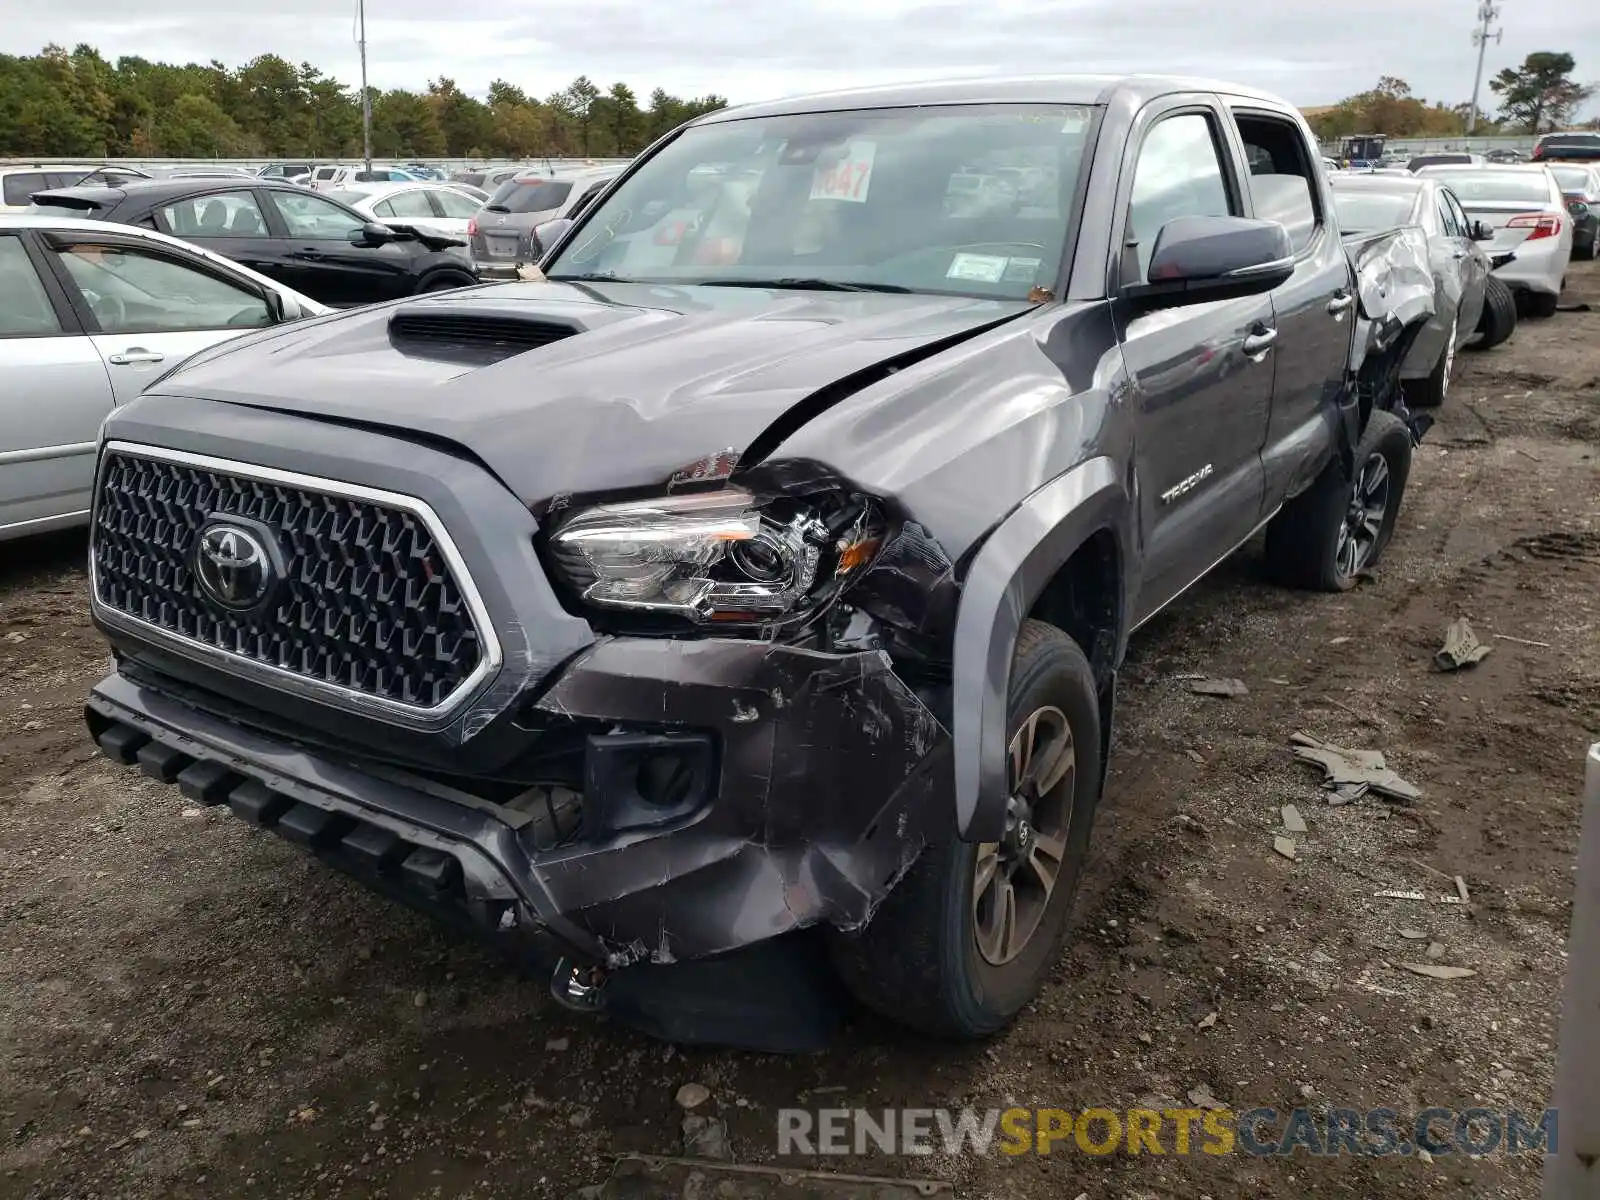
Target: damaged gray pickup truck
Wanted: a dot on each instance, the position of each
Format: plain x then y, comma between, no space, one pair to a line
750,595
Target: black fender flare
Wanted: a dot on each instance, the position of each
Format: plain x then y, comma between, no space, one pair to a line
1012,567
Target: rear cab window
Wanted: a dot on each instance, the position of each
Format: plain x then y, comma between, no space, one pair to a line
1282,181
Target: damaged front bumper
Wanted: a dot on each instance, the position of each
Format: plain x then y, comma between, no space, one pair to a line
799,787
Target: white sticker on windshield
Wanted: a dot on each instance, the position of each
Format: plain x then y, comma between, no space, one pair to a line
850,178
1021,270
979,268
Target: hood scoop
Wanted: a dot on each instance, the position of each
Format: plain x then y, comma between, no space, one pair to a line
474,336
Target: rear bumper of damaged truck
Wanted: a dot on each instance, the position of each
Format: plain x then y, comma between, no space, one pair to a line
812,781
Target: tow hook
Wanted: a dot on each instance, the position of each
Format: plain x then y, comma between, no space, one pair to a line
580,988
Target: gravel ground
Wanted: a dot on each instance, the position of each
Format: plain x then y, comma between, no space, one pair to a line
191,1009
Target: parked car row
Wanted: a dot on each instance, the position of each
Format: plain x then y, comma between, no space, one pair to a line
90,314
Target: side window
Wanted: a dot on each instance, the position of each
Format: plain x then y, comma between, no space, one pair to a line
383,208
1447,218
310,216
1283,182
25,309
410,204
454,204
1179,174
19,185
228,214
1463,222
131,290
326,173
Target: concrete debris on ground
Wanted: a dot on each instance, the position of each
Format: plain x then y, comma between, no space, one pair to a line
1228,688
1345,770
693,1095
1413,935
1436,971
1200,1096
1284,846
1292,820
1461,648
1435,950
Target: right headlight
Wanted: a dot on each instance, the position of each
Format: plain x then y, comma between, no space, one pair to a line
713,556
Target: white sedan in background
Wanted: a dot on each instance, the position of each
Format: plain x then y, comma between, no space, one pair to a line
90,314
442,206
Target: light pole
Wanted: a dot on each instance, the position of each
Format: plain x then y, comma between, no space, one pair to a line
366,97
1487,11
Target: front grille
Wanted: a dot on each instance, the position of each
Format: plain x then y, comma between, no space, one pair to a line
369,602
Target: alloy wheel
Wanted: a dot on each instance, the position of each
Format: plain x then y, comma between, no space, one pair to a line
1363,520
1015,878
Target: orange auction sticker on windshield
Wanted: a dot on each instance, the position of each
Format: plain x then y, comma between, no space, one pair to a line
849,178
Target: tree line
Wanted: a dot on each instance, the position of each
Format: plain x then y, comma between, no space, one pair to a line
1535,97
80,104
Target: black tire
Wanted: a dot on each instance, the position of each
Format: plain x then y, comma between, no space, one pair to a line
1305,548
1499,319
1430,392
1542,304
918,962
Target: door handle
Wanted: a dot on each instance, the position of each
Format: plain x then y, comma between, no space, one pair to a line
1340,303
308,255
134,355
1258,343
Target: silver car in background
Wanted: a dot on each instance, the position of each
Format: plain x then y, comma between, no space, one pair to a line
1524,206
1370,203
500,232
90,314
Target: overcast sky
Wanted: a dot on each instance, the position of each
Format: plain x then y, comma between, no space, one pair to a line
1311,51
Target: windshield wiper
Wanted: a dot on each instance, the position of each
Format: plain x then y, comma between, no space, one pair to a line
809,285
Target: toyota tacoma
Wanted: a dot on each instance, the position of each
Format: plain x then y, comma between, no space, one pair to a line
760,578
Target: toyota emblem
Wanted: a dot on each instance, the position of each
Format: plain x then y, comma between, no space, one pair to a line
233,567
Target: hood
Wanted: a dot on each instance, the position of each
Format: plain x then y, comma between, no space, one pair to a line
574,388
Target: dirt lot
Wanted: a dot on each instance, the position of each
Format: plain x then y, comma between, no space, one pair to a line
189,1009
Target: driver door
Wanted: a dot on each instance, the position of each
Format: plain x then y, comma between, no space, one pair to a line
146,308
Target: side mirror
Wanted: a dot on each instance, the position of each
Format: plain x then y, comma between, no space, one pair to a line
546,235
1578,209
374,233
1214,258
275,307
1481,232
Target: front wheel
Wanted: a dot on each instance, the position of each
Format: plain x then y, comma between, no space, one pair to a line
968,937
1337,528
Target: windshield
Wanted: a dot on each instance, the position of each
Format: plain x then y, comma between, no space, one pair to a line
1571,179
1362,212
961,199
1496,186
526,196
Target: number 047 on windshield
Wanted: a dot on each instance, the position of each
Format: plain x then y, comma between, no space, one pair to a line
846,178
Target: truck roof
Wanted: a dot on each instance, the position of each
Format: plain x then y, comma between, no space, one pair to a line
1018,89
